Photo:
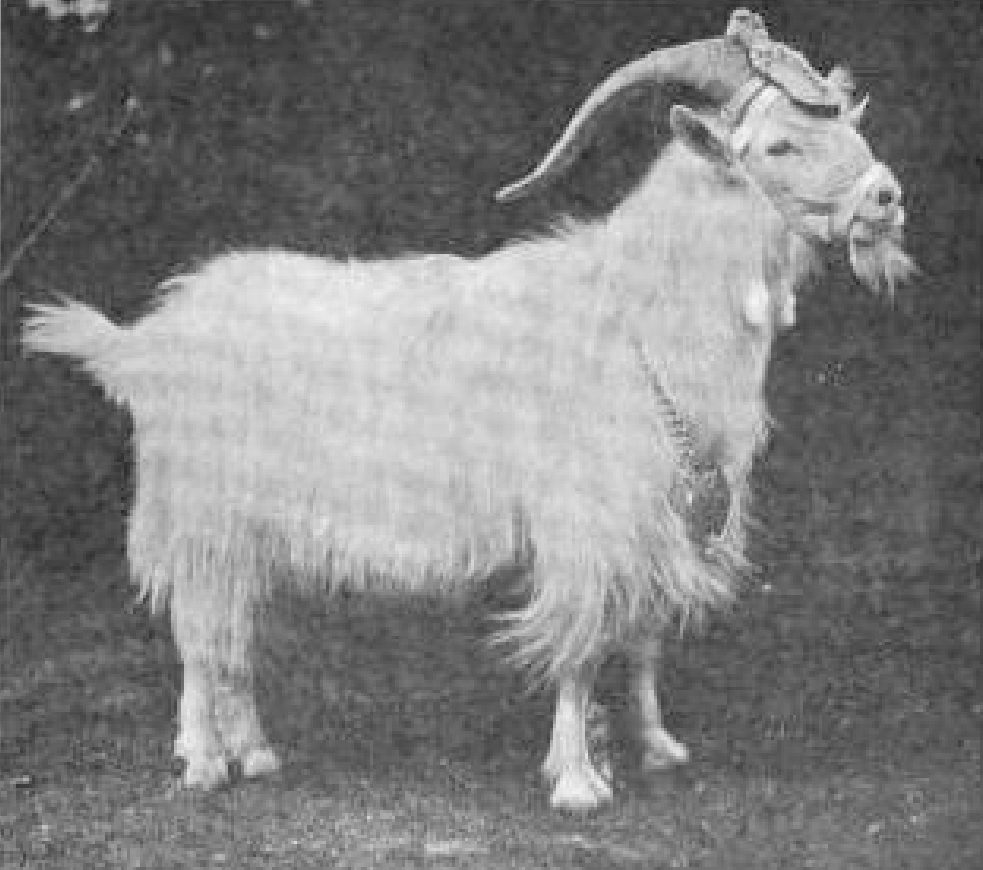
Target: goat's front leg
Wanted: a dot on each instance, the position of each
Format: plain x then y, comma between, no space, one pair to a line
660,748
576,784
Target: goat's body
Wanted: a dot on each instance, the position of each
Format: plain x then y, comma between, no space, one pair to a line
414,423
410,424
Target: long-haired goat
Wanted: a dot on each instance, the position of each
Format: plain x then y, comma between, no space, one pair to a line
415,423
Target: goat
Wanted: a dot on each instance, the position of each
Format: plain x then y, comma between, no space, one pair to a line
410,425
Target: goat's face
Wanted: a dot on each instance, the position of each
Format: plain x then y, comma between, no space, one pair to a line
819,172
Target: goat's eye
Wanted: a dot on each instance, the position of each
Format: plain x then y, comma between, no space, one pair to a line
780,148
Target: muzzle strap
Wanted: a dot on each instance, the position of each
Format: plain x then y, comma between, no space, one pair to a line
829,224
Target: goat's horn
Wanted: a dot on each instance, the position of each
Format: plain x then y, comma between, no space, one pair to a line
715,67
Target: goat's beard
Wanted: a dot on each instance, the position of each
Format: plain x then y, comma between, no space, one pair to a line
877,257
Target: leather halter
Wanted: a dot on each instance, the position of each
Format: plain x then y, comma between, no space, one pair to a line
745,112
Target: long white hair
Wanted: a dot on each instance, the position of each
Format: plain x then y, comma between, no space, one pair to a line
412,424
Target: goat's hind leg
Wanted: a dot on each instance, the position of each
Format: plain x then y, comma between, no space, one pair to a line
218,721
235,705
660,749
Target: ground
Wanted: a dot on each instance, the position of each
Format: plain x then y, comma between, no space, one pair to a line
834,716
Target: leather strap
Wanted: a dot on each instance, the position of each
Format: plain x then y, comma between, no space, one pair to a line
758,107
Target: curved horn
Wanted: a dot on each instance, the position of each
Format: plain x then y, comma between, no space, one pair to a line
716,67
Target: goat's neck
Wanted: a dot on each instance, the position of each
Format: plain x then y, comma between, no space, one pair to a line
685,250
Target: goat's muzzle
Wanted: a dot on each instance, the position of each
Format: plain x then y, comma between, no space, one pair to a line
871,208
874,201
871,219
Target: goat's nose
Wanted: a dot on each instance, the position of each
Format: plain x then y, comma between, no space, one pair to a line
886,194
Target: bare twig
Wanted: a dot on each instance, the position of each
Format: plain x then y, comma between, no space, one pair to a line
67,192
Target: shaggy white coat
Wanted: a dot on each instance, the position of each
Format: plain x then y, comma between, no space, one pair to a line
411,424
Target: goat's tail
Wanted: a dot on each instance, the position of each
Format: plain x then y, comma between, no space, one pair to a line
75,330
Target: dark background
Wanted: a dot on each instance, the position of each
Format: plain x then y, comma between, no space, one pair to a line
834,718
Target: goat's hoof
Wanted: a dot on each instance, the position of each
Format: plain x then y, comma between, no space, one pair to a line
662,750
208,772
259,761
579,789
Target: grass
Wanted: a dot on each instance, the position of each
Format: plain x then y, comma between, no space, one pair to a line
834,717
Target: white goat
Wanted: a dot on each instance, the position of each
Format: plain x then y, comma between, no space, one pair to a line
410,424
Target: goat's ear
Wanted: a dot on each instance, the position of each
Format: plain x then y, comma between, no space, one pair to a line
701,134
855,113
842,80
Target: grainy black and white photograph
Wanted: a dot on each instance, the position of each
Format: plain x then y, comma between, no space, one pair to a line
490,433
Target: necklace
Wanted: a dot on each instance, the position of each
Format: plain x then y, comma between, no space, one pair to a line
699,495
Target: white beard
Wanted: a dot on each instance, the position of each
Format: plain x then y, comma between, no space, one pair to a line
876,254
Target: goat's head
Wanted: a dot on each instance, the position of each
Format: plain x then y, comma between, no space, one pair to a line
791,131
